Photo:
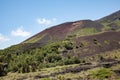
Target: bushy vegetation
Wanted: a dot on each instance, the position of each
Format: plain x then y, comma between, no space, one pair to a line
34,59
2,69
101,73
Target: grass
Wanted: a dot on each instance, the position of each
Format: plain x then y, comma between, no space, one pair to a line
117,22
31,75
114,54
91,74
106,27
86,31
98,73
34,39
101,73
82,32
115,67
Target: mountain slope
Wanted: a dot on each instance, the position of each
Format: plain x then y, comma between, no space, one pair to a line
96,44
61,31
77,28
79,42
110,18
111,22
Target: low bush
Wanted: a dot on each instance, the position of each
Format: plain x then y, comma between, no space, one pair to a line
101,73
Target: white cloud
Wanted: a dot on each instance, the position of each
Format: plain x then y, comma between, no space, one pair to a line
20,32
45,21
3,38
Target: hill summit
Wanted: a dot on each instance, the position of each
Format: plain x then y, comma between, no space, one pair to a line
60,32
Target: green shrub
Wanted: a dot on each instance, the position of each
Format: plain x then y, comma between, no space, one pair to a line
53,57
101,73
2,69
68,61
68,45
60,78
76,60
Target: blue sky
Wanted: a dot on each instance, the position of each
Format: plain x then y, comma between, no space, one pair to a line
20,19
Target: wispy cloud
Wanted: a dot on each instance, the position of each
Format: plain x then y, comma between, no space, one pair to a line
44,21
20,32
3,38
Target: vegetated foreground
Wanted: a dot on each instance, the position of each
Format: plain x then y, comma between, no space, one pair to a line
80,50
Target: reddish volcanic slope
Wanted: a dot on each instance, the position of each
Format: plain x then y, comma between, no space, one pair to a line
60,32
